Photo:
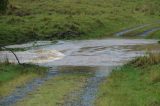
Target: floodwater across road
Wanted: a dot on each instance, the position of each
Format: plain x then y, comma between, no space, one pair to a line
97,56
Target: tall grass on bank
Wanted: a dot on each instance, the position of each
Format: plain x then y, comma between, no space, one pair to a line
134,84
150,59
9,71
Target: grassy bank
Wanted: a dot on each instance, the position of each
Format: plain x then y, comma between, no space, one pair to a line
13,76
155,35
134,84
70,19
57,90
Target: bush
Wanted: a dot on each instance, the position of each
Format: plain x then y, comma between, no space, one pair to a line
3,6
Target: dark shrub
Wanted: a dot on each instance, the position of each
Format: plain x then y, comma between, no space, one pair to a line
3,6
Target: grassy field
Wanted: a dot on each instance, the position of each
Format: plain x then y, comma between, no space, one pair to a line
13,76
134,84
73,19
56,91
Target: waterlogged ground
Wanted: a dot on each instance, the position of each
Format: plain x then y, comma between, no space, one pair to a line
97,57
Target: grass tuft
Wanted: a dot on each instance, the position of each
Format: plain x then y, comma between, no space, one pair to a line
150,59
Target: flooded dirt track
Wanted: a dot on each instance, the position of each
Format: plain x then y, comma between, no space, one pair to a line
148,32
96,56
131,29
139,27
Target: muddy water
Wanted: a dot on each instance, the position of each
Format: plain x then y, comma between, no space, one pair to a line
97,56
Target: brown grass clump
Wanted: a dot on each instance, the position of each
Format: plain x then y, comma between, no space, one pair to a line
150,59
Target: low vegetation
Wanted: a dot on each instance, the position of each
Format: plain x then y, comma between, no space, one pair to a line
155,35
134,84
28,20
13,76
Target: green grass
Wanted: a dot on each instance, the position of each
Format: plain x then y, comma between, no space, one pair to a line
155,35
136,33
14,49
134,84
70,19
12,76
55,91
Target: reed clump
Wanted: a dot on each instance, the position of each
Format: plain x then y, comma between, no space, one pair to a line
150,59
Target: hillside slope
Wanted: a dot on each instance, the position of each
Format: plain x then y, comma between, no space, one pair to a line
28,20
